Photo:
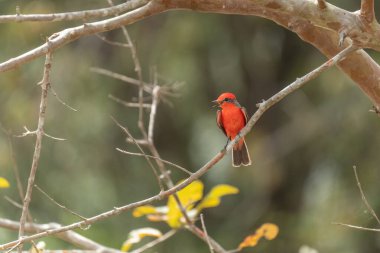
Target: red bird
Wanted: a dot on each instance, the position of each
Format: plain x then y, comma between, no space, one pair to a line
231,117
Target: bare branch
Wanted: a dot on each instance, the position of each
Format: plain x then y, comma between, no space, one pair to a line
147,87
112,43
28,132
157,158
68,35
13,202
60,100
45,83
370,209
68,236
151,244
142,151
357,227
76,15
128,104
153,111
367,10
206,234
263,107
58,204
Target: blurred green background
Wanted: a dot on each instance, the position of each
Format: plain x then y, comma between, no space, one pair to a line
303,149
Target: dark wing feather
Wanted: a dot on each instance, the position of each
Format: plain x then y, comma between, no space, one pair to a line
245,114
219,121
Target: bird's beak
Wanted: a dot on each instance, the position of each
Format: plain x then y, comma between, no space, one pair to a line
216,103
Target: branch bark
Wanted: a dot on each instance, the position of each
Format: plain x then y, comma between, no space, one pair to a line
68,236
74,15
37,149
367,10
319,27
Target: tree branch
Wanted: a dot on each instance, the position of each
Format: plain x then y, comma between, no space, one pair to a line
45,82
263,107
367,10
319,28
68,35
68,236
75,15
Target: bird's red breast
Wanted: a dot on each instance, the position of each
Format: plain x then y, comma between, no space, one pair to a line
231,117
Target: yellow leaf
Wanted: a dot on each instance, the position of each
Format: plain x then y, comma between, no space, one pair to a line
213,197
4,183
267,230
270,230
143,210
136,235
187,196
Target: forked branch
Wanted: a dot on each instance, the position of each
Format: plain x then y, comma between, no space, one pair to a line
45,83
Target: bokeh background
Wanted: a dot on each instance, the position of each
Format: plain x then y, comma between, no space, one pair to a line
303,149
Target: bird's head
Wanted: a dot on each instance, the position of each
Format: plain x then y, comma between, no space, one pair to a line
225,97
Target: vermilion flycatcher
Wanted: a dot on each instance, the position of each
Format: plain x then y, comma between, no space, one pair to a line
231,117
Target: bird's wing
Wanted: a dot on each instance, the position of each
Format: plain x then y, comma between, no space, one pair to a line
219,121
245,115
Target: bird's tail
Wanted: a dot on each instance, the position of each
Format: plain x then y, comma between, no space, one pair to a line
240,155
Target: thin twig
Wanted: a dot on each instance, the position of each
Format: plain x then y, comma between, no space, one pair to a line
153,111
58,204
121,77
206,234
61,101
112,43
369,207
138,71
157,158
45,83
357,227
13,202
128,104
204,169
142,151
28,132
153,243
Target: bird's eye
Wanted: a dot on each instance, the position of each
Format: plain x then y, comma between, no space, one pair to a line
226,99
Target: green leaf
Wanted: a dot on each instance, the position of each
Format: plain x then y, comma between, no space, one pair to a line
212,199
